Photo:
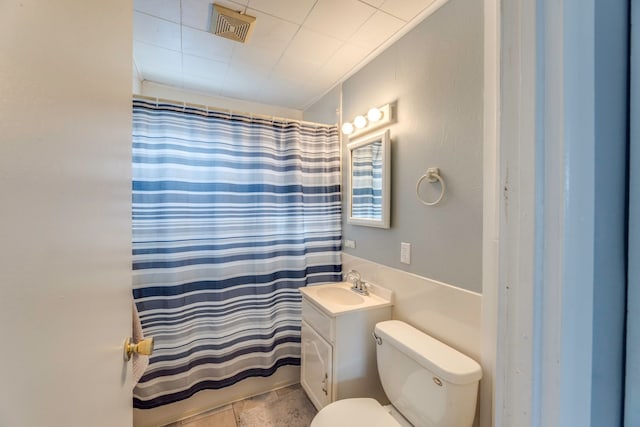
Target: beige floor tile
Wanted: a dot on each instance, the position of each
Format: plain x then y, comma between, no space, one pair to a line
218,418
252,402
207,414
285,407
292,410
289,389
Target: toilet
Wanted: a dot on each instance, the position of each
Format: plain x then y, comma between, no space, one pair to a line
427,382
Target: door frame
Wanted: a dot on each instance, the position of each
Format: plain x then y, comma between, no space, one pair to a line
632,385
538,245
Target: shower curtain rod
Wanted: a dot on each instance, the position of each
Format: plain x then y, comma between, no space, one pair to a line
225,110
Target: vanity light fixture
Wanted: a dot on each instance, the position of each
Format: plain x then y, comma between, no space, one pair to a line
375,118
347,128
360,122
374,114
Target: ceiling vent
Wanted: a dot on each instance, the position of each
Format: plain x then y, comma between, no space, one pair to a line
230,24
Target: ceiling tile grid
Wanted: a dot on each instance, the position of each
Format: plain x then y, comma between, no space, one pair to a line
299,49
295,11
166,9
338,18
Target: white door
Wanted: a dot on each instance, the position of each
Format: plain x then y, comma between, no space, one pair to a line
65,280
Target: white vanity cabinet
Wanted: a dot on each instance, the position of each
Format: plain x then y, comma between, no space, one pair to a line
316,370
338,349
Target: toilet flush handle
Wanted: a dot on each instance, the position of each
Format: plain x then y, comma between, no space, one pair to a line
377,339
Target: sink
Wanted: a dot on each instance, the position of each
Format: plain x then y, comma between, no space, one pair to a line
336,298
340,296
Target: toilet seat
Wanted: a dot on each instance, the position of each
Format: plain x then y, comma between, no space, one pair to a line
358,412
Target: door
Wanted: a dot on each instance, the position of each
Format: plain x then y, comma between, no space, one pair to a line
316,368
65,194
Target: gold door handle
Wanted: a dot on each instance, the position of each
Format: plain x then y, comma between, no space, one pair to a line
143,347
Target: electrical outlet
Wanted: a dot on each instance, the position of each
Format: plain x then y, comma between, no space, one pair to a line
349,243
405,253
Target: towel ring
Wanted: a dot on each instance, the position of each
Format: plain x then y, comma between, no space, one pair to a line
432,175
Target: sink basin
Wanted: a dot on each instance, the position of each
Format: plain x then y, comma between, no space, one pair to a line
340,296
336,298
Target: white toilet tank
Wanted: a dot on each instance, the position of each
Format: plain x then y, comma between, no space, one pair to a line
428,382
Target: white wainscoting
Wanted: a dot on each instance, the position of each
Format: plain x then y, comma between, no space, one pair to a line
450,314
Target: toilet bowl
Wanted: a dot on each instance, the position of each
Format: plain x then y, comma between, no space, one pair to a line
359,412
427,382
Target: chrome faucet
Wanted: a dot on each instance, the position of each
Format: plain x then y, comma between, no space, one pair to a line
358,284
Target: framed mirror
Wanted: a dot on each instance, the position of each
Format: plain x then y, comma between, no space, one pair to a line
369,181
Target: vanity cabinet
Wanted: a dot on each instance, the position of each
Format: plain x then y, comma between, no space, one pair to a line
338,352
316,370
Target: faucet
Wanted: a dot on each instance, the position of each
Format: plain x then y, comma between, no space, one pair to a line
358,283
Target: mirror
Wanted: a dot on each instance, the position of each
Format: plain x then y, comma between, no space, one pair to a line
369,183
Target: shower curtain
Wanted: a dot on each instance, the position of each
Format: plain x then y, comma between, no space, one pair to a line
231,215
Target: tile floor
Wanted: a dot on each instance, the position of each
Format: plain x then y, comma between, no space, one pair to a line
285,407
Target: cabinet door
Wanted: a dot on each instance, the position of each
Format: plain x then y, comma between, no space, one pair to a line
317,364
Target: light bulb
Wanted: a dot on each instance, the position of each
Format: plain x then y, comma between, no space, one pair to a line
374,114
347,128
360,122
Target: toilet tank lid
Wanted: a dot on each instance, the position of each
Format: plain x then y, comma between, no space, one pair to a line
445,362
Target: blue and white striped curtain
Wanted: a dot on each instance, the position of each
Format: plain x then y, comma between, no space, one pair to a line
366,191
231,215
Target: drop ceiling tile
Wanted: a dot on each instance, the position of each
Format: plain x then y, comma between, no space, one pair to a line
247,56
165,9
374,3
324,87
197,13
202,85
405,9
148,57
245,77
377,30
290,10
285,94
318,89
276,84
206,45
270,32
165,78
267,44
158,63
311,46
338,18
295,71
241,71
320,84
347,57
243,84
204,68
152,30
